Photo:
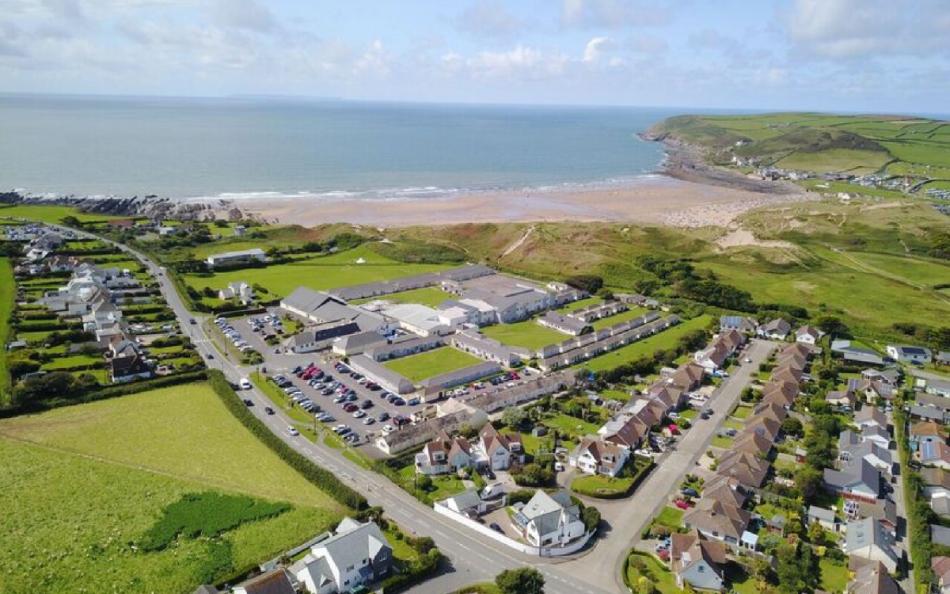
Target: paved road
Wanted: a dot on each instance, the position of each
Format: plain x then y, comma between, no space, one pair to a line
473,558
628,517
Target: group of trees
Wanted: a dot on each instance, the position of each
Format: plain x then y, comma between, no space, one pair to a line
820,445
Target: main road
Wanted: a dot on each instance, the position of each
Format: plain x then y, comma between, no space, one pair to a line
473,557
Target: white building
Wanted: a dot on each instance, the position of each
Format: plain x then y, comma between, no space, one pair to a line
549,520
594,456
909,354
238,257
356,554
243,291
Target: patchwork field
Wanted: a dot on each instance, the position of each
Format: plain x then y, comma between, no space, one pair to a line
50,213
431,363
528,334
317,272
86,482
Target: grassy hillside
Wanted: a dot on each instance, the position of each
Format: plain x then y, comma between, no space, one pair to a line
7,288
890,145
83,484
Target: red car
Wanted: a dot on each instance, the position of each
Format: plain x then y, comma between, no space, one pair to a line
681,503
350,407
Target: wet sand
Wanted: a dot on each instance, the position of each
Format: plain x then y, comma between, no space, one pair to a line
652,200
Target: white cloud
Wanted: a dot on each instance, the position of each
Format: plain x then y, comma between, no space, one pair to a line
613,14
374,60
595,48
244,14
519,62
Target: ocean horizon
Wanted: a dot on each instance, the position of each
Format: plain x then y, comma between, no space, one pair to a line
239,148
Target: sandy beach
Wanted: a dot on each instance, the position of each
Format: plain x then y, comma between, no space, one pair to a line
657,199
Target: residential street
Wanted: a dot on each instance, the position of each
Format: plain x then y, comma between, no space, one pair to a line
473,558
628,517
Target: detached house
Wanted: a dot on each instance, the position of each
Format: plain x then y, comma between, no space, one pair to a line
909,354
738,323
777,329
500,451
697,561
549,520
444,454
719,520
595,456
808,335
356,554
868,540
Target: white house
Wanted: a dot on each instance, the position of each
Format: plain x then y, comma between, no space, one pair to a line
237,257
909,354
499,450
243,291
548,520
595,456
808,335
356,554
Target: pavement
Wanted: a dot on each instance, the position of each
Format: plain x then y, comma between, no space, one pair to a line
472,557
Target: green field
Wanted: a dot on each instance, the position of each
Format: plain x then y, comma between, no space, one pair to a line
571,425
580,304
646,347
81,484
7,291
317,272
50,214
528,334
852,161
633,312
416,368
431,296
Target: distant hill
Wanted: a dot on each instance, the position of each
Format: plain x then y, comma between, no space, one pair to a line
916,150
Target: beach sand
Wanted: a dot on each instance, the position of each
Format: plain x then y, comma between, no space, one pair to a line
654,199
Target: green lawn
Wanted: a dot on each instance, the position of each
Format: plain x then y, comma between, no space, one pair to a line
81,484
443,486
721,441
671,517
834,576
732,424
316,272
431,296
580,304
72,362
431,363
621,395
742,411
528,334
7,290
640,564
646,347
571,425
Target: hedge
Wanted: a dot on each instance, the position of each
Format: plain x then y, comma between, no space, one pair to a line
321,477
417,571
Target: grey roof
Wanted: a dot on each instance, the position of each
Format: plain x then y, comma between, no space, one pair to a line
871,413
858,473
360,340
544,510
925,399
353,542
928,412
467,499
821,513
381,374
461,273
238,254
940,535
866,532
385,351
568,323
327,309
479,343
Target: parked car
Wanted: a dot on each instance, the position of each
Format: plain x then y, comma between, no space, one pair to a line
293,431
383,416
248,402
494,526
688,491
369,421
359,414
268,410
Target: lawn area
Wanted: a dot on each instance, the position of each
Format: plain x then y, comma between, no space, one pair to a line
591,485
742,411
640,564
570,425
7,290
646,347
443,486
689,414
73,362
431,296
317,272
431,363
528,334
580,304
721,441
633,312
621,395
97,476
732,424
671,517
834,576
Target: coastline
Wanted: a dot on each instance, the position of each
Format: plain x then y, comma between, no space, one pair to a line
684,192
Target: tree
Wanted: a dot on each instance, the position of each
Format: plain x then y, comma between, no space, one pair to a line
513,417
792,426
534,475
424,483
833,326
586,282
591,518
808,481
816,534
524,580
645,586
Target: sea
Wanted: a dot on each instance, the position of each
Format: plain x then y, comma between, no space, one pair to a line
244,147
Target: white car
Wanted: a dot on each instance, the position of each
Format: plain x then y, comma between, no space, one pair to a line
369,421
387,429
293,431
359,414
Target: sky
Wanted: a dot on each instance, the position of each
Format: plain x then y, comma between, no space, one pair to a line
831,55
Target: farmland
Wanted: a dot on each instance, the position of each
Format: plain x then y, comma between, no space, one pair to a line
49,213
84,482
431,363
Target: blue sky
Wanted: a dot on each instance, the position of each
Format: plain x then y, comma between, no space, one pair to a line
832,55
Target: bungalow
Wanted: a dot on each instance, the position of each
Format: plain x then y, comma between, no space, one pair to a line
595,456
697,561
842,398
872,578
923,432
128,368
499,450
777,329
941,569
929,413
808,335
870,416
467,503
444,454
738,323
867,539
566,324
937,489
856,354
548,520
718,520
356,554
909,354
236,257
934,453
883,510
